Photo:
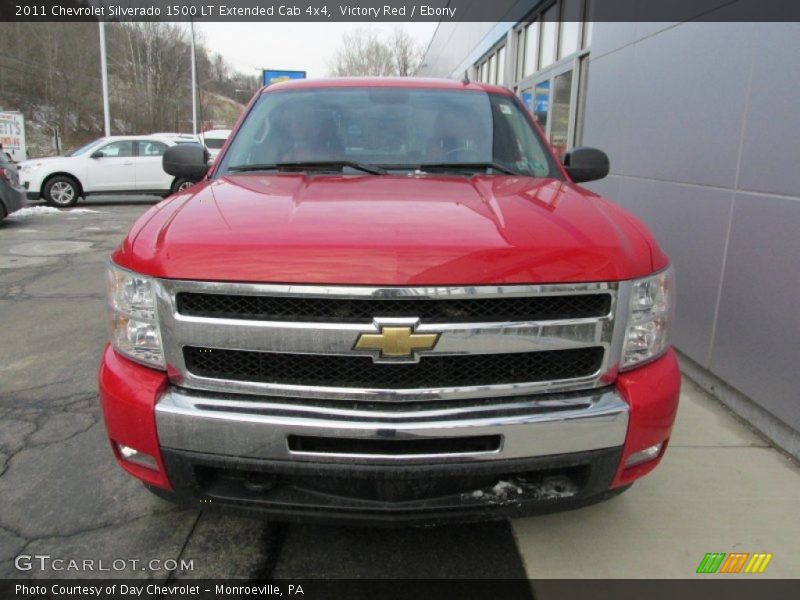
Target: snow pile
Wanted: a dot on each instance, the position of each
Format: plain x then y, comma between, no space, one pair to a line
30,211
504,489
82,211
519,488
33,210
552,488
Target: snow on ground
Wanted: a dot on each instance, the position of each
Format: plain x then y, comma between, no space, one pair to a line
30,211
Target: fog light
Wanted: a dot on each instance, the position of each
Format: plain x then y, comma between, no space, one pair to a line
644,456
132,455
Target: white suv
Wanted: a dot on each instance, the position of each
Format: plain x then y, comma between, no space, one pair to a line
117,164
214,140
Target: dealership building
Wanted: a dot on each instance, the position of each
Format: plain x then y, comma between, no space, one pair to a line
700,121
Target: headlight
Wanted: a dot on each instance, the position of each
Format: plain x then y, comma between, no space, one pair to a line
649,319
30,166
133,317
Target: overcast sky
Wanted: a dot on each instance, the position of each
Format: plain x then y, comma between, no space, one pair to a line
300,46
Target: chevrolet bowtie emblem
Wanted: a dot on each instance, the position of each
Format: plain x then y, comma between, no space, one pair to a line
396,342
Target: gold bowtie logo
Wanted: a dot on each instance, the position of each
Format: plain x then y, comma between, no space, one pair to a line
397,342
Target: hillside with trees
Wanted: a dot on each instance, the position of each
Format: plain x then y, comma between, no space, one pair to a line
51,72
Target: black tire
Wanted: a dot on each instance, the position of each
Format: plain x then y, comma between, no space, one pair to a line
181,184
61,191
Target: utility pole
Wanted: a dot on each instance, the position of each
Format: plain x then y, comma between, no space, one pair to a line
104,74
194,83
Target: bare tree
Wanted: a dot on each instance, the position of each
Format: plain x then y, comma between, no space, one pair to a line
151,64
50,77
406,53
51,72
362,54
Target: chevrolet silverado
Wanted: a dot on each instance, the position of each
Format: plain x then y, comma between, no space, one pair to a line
387,300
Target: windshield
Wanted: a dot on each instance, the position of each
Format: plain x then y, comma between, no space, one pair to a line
84,148
393,128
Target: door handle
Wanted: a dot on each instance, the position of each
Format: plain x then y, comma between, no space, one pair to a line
127,164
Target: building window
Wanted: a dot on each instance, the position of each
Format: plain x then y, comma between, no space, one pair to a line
569,36
492,68
561,112
583,85
547,54
588,15
587,34
541,103
553,58
531,50
501,66
519,66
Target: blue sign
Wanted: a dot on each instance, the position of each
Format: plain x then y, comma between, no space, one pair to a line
542,100
274,76
527,99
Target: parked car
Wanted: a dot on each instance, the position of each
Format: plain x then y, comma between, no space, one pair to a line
389,301
12,194
214,140
117,164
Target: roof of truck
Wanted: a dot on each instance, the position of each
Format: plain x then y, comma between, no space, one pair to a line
396,82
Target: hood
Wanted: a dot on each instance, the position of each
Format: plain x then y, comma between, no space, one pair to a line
36,161
388,230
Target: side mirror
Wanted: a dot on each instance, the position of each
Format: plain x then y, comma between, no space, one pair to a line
97,154
586,164
188,161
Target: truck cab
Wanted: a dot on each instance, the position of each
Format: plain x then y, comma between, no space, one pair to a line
388,301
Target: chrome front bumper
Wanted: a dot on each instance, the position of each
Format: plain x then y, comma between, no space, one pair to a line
253,427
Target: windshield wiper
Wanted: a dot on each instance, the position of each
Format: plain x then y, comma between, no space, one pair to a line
311,164
471,167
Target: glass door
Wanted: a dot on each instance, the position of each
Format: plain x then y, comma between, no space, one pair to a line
552,99
541,104
560,126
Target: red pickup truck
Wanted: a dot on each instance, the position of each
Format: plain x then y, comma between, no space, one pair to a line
388,301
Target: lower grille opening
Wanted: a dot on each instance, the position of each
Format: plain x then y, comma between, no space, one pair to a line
456,445
339,489
361,372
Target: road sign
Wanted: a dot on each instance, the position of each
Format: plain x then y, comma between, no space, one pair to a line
12,134
275,76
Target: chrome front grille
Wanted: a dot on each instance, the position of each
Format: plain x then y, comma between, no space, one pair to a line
355,310
300,341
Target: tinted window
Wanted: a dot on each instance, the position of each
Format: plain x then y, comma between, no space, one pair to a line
83,149
118,149
215,143
150,148
391,127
